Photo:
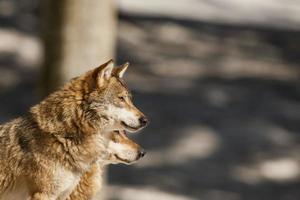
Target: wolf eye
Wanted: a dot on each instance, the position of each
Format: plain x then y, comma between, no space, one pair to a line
122,98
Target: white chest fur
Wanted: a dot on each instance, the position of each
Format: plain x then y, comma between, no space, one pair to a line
66,182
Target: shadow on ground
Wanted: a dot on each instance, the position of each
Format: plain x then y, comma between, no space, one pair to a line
224,108
223,103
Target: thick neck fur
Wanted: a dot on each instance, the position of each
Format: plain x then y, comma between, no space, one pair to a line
65,112
63,117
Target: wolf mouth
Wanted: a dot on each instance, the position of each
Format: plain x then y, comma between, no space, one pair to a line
129,127
123,160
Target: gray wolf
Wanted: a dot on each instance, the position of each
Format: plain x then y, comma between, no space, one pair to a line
62,142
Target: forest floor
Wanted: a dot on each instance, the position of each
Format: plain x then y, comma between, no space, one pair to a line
223,100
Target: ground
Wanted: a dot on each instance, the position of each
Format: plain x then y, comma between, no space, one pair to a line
223,100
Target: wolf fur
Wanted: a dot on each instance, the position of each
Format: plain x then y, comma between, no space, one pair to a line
62,143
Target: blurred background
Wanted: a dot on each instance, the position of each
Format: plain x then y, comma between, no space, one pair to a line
219,81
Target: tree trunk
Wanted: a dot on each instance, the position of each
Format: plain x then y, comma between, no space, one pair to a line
77,36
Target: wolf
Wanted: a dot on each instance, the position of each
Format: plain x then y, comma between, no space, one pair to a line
51,151
121,150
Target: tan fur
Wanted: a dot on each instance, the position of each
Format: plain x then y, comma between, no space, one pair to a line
62,140
89,185
91,182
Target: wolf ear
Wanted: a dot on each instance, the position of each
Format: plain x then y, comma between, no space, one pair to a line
120,71
104,72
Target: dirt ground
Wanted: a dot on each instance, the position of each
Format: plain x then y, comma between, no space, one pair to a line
223,100
224,108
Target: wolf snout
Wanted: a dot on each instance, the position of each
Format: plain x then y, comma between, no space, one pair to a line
143,121
141,153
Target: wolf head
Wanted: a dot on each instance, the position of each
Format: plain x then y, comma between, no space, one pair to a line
110,100
121,149
95,102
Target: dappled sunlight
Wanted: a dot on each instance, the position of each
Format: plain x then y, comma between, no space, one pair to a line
196,142
19,52
144,193
20,58
179,34
169,48
224,136
26,48
267,13
228,68
279,164
279,170
220,87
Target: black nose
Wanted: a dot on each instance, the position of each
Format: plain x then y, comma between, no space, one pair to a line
143,121
142,153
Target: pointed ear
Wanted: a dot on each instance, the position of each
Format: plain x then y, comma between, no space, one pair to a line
103,72
121,70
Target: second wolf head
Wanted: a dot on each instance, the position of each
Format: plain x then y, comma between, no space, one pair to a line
121,149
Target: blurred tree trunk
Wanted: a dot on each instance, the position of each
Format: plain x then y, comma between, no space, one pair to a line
77,36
